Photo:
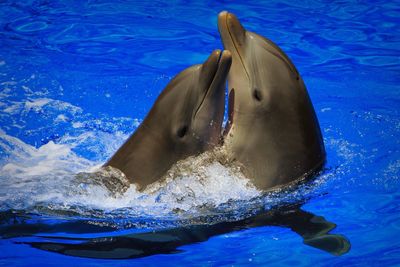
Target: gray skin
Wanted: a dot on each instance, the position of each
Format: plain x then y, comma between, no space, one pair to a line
272,131
185,120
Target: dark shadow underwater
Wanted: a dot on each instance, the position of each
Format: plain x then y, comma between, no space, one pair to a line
313,229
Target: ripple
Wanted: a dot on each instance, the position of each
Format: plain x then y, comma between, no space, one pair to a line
28,25
33,26
393,13
305,4
396,224
349,35
348,11
163,59
379,60
94,49
283,36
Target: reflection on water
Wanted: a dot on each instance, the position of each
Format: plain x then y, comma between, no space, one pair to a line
313,229
200,198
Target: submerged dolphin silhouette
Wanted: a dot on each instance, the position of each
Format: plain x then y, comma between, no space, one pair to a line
186,119
273,131
313,229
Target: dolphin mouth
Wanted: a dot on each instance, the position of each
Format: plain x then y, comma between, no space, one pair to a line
218,64
213,63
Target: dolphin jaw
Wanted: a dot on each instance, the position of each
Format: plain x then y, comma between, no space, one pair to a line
223,61
208,86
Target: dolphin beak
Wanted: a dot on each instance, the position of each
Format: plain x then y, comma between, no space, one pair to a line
224,64
233,34
215,70
210,111
214,75
209,68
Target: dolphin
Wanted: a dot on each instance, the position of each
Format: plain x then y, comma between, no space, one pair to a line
185,120
272,130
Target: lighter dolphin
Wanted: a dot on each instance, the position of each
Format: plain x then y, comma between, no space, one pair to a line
185,120
273,131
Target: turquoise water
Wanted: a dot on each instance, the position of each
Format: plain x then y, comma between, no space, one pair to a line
77,77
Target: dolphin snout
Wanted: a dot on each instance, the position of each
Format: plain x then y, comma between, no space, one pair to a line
224,65
230,27
210,67
215,69
213,77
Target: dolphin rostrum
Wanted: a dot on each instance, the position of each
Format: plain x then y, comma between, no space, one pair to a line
272,132
185,120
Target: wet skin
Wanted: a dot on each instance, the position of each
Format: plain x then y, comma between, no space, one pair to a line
185,120
273,132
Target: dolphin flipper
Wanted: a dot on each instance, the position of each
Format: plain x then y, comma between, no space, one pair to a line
314,230
332,243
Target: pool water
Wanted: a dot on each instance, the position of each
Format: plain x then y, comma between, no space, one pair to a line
78,77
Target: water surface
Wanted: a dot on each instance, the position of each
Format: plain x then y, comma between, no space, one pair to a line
77,77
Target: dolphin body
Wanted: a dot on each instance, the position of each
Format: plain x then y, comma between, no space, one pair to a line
185,120
272,132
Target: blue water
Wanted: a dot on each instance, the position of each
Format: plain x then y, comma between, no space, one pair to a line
77,77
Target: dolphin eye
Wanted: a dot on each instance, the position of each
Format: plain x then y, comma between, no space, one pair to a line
182,131
257,94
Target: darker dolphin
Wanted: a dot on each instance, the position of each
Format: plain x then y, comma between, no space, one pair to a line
185,120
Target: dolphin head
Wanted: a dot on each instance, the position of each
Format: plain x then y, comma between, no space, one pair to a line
260,72
185,120
191,107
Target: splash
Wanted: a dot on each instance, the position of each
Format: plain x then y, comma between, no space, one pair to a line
54,179
45,180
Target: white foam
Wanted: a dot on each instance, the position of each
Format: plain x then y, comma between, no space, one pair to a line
27,161
203,180
14,108
61,118
37,105
45,176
